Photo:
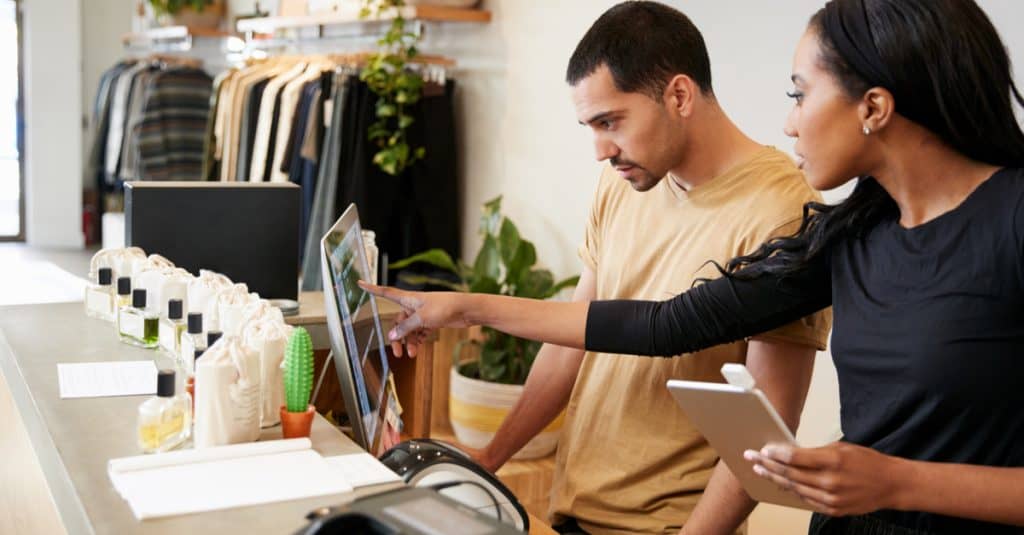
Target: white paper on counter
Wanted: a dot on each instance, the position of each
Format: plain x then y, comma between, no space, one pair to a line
102,379
362,469
212,479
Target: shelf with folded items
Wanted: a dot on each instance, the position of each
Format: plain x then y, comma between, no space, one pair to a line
350,16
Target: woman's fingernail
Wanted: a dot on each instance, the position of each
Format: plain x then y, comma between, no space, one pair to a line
759,470
779,453
750,455
392,335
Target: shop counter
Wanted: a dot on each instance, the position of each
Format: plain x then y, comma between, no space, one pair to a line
72,440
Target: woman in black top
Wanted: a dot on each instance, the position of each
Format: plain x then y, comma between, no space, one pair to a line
923,264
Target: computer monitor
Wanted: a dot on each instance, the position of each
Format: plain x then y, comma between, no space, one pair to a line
355,330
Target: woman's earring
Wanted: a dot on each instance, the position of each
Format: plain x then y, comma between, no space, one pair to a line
867,131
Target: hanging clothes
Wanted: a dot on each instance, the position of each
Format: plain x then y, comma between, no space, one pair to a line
151,117
172,132
238,93
96,167
418,209
305,119
118,118
322,213
303,171
290,97
211,166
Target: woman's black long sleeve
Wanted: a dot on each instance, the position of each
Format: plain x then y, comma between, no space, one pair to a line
715,312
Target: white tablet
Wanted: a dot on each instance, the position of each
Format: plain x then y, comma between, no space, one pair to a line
735,419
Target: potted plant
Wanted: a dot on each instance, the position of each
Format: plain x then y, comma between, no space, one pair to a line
397,88
193,13
487,380
297,412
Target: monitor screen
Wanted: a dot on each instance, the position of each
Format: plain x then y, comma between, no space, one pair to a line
354,326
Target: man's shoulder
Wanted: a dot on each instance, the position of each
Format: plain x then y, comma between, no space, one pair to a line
775,182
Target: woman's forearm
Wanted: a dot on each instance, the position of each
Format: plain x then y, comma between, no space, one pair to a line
551,322
713,313
985,493
716,312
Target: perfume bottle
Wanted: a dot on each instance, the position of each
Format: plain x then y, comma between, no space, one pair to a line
123,299
165,420
191,341
136,325
99,297
171,329
124,292
212,337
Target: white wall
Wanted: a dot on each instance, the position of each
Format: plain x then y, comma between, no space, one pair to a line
103,24
53,130
519,134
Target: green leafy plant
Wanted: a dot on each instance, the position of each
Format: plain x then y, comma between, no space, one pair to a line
396,86
172,7
298,370
505,265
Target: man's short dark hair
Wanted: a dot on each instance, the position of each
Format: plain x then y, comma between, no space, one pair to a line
644,44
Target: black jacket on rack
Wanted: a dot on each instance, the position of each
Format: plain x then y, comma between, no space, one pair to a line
419,208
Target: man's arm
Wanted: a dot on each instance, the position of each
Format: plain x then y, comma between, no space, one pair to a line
545,394
783,372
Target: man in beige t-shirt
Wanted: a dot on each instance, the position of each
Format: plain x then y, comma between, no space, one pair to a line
684,187
629,459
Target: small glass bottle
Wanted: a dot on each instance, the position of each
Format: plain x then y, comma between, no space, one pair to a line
136,325
99,297
212,337
370,246
165,420
124,292
123,299
191,340
171,329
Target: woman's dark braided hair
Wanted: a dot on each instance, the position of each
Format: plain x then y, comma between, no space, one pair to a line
948,71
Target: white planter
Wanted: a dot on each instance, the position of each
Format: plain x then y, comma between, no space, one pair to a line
477,408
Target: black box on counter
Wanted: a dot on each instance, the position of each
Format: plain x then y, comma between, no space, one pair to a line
248,231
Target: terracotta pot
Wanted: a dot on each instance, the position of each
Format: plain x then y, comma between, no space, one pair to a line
296,424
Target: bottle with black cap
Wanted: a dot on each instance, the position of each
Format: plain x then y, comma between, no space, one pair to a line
122,300
171,329
212,337
99,297
136,325
165,420
192,339
124,292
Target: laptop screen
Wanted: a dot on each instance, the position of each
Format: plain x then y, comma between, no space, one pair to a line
354,325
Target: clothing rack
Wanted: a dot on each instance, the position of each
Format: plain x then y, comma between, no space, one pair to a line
168,59
346,25
170,38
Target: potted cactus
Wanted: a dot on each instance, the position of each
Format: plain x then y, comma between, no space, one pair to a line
297,413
